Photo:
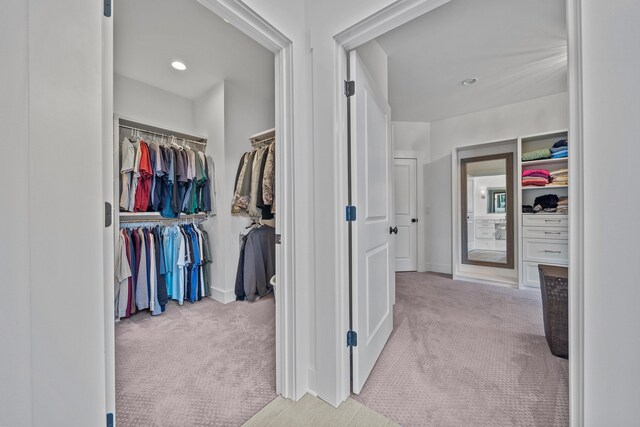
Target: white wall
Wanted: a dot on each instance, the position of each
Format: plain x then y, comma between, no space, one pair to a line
506,122
245,114
411,136
209,120
375,59
15,305
611,252
150,105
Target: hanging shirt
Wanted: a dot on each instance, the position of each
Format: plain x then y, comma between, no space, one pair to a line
252,208
130,294
207,262
181,264
269,180
142,290
155,306
259,262
169,258
208,188
122,275
135,176
161,272
127,163
144,182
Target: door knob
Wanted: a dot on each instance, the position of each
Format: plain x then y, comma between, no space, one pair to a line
393,230
414,219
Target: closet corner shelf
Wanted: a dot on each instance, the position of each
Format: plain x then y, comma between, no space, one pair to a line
541,187
545,161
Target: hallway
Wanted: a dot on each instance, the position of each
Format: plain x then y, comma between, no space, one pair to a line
467,354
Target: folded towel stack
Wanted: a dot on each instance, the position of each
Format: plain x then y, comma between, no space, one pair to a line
537,177
563,205
560,149
536,155
559,177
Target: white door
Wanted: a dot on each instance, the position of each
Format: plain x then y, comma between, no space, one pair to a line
405,202
373,276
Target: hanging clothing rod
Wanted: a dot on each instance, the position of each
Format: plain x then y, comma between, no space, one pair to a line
263,143
163,135
149,217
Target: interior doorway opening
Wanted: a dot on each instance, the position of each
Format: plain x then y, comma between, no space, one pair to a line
220,97
459,113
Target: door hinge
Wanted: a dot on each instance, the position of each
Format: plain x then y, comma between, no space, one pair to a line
349,88
108,215
350,213
110,420
278,239
107,8
352,339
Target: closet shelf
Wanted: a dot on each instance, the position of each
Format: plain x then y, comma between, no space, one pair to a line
545,161
155,216
541,187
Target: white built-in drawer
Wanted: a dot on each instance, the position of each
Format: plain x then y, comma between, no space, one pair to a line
545,232
485,223
485,233
530,275
537,220
545,251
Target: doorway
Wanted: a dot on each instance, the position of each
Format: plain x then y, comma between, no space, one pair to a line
177,124
442,165
405,172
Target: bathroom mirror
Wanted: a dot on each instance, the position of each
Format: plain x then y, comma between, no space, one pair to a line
487,210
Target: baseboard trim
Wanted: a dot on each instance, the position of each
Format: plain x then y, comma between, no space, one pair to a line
484,281
440,268
224,297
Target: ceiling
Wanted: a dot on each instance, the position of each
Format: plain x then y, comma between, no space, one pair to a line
150,34
515,48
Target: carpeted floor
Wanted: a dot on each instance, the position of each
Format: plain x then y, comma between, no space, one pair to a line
202,364
466,354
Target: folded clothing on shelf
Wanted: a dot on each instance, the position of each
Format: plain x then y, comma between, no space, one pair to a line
533,180
559,177
548,201
560,154
544,153
537,177
560,143
536,172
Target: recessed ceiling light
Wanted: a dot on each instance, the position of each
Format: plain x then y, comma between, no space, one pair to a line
179,65
469,82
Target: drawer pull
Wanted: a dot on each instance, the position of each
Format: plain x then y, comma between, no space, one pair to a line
552,220
552,232
552,252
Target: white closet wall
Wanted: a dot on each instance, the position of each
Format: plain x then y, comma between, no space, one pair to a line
147,104
505,122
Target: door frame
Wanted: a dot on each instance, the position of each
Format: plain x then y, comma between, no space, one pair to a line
290,375
386,19
422,159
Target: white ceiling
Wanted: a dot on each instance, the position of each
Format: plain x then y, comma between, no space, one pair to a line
516,48
150,34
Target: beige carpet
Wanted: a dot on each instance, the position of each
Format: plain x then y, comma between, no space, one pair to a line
465,354
202,364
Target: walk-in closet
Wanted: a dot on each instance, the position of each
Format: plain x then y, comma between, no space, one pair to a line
195,235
